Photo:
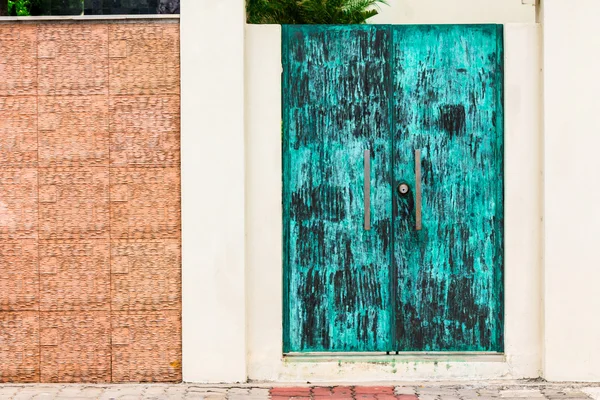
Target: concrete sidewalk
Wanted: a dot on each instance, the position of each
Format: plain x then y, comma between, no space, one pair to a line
505,390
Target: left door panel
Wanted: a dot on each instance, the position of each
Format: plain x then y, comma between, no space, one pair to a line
336,105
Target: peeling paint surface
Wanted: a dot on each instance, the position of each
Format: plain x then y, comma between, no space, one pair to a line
448,103
337,107
392,90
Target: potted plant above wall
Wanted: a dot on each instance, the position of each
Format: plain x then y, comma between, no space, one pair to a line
311,11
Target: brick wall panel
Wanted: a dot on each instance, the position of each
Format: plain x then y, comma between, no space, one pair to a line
18,131
74,204
75,346
18,60
145,131
144,59
145,203
146,275
72,59
73,131
74,276
146,347
19,277
18,203
90,229
19,347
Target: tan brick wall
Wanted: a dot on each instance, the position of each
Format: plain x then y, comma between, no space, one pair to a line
90,215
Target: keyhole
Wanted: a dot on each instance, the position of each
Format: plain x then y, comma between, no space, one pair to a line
403,188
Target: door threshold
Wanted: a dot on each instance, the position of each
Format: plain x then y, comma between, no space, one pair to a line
400,357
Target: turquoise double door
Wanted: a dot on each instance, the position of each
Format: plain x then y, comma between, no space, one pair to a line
393,188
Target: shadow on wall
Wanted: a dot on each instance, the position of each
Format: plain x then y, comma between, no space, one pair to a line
88,7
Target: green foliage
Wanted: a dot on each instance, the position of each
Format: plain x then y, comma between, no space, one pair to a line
311,11
44,7
28,7
19,7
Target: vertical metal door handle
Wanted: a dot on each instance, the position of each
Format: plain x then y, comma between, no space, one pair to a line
418,189
367,189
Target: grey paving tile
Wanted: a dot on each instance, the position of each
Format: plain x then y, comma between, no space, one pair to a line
404,390
522,393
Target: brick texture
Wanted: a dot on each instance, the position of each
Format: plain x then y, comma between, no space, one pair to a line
19,347
144,346
19,276
18,130
90,209
18,60
75,347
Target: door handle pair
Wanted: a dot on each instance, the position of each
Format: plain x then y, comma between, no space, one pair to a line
402,188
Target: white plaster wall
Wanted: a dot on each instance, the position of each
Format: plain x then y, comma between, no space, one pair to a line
572,165
263,197
212,164
455,12
522,230
523,201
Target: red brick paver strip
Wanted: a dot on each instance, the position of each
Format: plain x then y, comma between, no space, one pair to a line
291,397
329,393
339,393
342,391
295,393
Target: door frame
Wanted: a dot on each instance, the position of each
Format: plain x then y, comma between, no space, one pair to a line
390,31
523,210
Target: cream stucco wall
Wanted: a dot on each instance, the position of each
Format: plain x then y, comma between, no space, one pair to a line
232,211
455,12
522,229
572,165
212,190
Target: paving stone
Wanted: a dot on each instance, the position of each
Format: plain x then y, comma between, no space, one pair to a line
258,394
592,392
405,390
92,391
341,391
206,390
174,391
136,396
564,394
7,394
467,393
489,393
195,396
374,390
290,391
44,396
437,391
521,398
155,390
109,394
522,393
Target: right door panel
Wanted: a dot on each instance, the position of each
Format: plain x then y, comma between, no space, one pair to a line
447,104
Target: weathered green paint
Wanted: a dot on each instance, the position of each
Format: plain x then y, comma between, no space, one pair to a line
336,106
447,85
392,90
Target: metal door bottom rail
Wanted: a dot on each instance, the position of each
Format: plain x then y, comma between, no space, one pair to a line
457,356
